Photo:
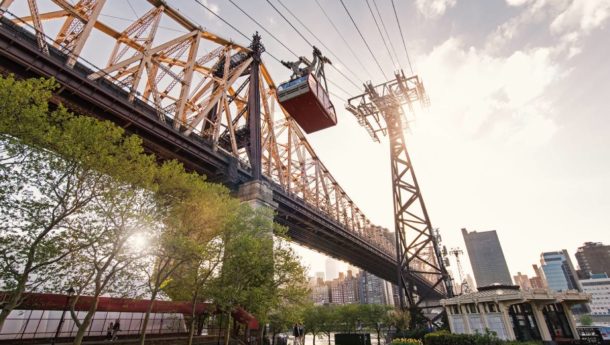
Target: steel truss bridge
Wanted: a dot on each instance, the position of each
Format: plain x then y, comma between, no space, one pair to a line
204,101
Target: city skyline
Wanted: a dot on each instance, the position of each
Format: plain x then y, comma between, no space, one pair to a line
316,261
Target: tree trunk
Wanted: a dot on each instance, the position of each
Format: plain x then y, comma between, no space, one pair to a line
191,332
328,338
7,308
153,297
80,334
273,338
261,334
192,328
15,295
378,336
314,339
228,330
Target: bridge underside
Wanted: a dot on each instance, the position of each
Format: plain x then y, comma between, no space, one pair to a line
306,225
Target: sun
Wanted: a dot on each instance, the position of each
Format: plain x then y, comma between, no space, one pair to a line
138,242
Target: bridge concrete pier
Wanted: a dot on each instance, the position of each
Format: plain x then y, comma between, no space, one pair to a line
257,194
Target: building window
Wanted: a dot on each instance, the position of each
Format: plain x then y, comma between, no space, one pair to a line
492,308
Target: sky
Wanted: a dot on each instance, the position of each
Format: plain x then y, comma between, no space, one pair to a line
516,138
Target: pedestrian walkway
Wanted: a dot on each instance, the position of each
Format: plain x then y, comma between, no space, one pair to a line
203,340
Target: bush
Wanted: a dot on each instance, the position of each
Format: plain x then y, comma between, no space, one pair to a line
446,338
406,341
489,338
417,333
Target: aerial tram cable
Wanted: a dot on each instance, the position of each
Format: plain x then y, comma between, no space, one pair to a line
386,31
223,20
133,9
364,40
381,34
167,28
344,40
320,41
264,29
282,43
290,23
339,87
404,44
309,43
337,96
239,31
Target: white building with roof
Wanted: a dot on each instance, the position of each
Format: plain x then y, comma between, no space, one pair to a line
513,314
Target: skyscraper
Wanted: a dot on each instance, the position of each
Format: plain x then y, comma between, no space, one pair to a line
373,290
538,282
523,281
486,258
558,270
593,258
332,268
344,290
599,287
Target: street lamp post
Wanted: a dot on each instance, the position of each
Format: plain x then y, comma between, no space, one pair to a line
70,292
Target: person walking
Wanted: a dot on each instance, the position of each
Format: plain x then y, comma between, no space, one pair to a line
301,335
109,331
295,333
115,330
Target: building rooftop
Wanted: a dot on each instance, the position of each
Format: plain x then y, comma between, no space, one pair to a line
497,293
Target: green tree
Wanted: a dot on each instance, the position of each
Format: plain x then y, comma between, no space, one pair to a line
586,320
194,214
260,272
108,265
399,319
247,269
190,281
375,316
349,317
189,251
282,319
54,164
313,320
329,318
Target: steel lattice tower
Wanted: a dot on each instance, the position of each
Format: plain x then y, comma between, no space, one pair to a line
380,109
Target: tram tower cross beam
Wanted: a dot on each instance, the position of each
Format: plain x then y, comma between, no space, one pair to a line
381,111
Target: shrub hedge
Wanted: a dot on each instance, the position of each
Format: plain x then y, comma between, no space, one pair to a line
406,341
446,338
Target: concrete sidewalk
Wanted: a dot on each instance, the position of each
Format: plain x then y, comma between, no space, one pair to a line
205,340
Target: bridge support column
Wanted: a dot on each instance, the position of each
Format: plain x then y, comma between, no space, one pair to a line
257,194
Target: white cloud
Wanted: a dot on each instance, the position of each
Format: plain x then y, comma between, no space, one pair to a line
434,8
582,16
493,96
568,22
213,7
517,2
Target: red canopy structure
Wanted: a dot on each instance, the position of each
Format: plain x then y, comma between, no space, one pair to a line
47,301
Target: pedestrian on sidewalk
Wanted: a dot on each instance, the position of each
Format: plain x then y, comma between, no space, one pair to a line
295,333
301,335
109,331
115,330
